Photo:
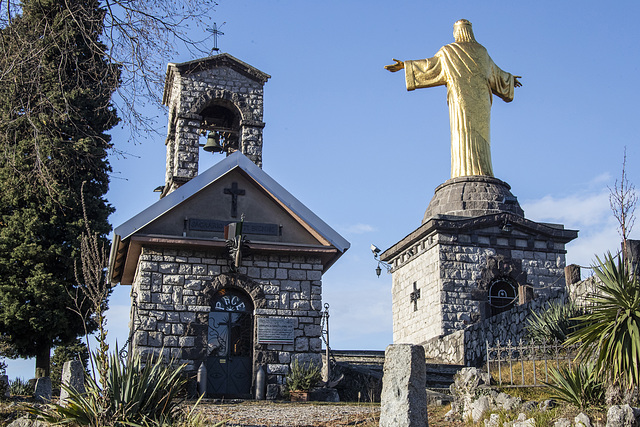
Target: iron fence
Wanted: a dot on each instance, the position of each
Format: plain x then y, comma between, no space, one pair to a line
529,361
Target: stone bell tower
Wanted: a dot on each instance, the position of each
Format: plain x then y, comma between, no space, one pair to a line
219,97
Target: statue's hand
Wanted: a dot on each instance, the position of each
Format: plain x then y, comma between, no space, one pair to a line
516,83
399,65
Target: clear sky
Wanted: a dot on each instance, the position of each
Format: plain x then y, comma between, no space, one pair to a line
345,137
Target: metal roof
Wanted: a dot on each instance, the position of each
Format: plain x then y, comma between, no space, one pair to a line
233,161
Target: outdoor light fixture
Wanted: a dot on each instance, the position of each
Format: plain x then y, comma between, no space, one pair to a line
376,251
506,226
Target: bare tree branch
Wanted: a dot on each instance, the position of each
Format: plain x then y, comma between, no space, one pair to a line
622,199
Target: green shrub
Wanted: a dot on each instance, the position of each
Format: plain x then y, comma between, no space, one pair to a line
579,385
303,377
610,332
556,322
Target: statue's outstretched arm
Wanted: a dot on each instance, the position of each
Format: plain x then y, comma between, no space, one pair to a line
516,83
399,65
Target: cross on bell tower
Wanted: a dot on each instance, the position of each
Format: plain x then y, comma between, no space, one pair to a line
215,30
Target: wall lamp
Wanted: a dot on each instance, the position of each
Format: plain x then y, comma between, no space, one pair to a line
376,251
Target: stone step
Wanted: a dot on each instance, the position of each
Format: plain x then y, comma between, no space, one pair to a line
439,375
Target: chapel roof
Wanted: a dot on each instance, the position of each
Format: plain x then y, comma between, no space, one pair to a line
332,245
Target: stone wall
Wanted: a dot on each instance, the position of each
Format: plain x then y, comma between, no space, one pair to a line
427,319
446,348
173,291
580,292
453,271
468,346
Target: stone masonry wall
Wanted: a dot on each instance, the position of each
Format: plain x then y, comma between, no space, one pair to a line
427,319
468,346
191,93
173,291
452,272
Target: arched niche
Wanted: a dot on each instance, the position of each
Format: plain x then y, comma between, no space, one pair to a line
221,121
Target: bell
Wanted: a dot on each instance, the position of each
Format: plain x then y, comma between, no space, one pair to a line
213,143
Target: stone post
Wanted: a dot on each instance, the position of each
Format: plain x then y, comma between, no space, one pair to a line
633,255
72,377
572,274
404,396
43,390
4,385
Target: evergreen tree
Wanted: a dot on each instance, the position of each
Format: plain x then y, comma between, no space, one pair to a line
55,107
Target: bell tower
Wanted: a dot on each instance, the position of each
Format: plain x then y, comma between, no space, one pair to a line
219,97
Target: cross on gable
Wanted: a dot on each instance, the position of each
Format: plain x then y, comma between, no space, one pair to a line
414,296
234,191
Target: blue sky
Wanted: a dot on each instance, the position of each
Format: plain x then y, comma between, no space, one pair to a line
345,137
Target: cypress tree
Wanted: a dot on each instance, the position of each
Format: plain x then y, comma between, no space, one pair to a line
55,109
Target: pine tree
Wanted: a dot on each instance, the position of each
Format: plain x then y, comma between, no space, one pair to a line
55,107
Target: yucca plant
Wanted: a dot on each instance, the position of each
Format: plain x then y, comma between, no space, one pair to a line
20,387
610,332
556,322
579,385
138,392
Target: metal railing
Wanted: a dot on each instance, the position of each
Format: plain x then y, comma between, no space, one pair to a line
530,362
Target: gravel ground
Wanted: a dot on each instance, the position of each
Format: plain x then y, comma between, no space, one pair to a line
285,414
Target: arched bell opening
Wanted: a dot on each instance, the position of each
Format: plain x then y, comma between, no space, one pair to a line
230,344
220,127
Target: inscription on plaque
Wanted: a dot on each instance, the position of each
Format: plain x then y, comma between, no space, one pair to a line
247,227
275,330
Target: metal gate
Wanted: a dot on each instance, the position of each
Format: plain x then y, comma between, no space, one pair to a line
230,347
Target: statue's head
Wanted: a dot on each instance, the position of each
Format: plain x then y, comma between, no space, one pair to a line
462,31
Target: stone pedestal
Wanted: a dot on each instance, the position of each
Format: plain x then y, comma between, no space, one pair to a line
404,396
472,196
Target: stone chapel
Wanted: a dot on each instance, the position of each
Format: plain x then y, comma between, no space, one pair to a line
226,268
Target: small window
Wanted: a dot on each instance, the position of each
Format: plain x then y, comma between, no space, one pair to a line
502,295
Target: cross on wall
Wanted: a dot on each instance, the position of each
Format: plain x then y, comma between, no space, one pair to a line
414,296
234,191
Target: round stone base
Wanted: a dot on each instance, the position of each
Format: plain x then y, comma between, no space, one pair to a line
472,196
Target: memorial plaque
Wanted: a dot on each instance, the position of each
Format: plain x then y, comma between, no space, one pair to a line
275,330
215,225
206,225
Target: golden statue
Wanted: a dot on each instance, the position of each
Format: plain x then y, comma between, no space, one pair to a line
471,77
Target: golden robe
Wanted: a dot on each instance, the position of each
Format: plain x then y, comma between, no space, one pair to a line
471,77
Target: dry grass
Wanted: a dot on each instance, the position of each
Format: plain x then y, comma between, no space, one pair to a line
522,373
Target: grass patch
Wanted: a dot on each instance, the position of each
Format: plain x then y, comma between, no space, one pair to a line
525,373
539,394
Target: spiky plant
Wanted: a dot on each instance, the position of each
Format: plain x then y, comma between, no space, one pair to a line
579,385
610,332
556,322
138,392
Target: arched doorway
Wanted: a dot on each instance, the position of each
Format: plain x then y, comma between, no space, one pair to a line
230,344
